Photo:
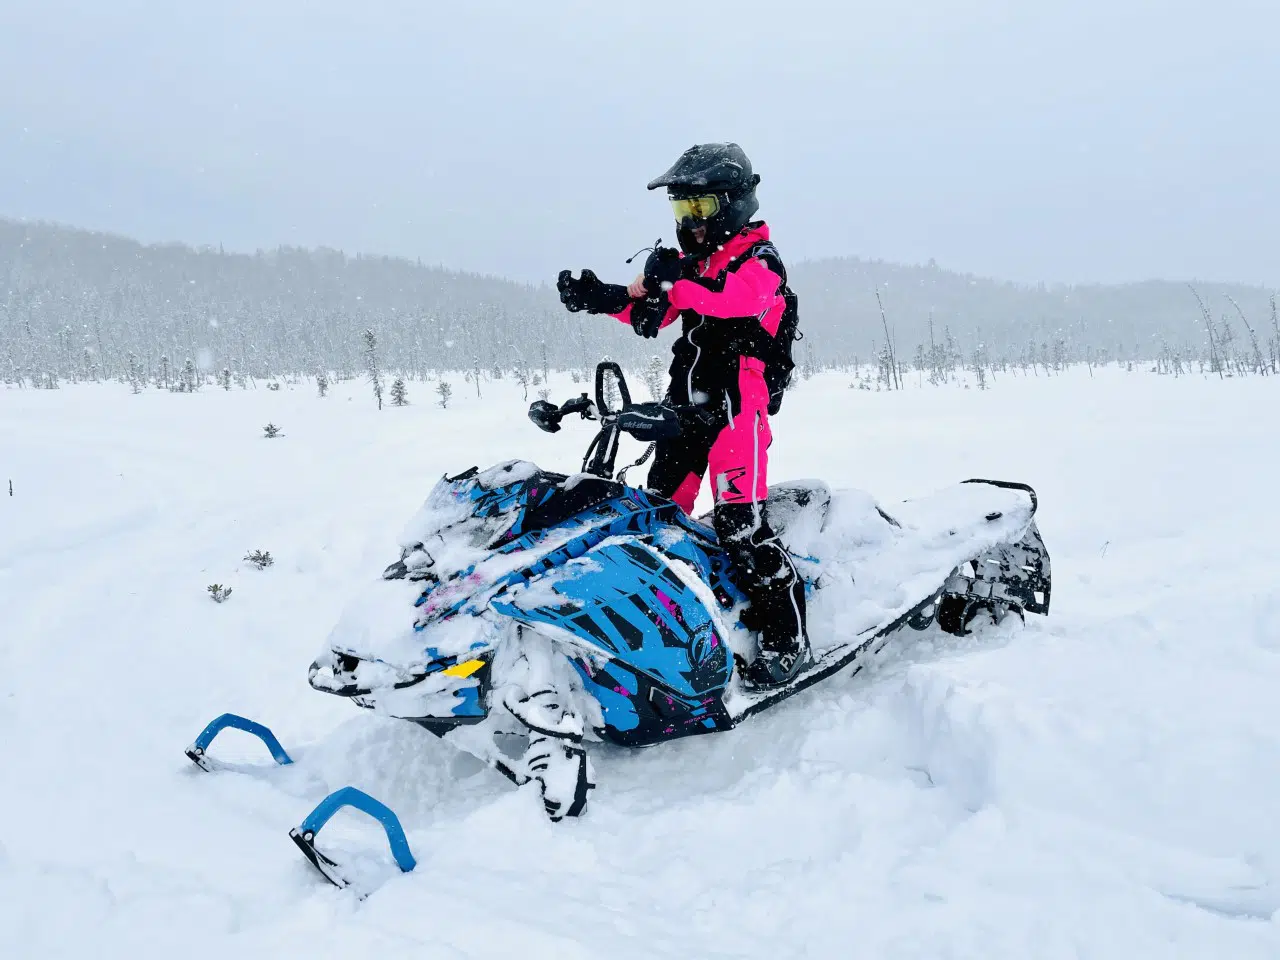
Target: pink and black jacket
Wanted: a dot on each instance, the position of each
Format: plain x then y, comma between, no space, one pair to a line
730,306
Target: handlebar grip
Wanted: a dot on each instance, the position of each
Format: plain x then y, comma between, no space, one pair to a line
545,415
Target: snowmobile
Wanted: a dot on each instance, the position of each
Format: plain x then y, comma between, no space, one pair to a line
531,613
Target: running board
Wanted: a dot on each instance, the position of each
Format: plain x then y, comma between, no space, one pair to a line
920,617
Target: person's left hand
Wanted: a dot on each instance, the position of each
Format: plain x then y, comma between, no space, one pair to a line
636,289
647,314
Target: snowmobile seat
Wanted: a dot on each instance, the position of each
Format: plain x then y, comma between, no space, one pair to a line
797,507
794,508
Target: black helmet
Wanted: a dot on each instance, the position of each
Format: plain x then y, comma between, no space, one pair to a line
721,173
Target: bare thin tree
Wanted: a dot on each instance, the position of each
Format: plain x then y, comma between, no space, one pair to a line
890,346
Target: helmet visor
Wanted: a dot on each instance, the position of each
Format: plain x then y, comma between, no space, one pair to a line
697,208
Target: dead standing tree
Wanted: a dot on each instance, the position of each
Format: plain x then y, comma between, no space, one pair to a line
1215,361
1275,340
891,347
1259,362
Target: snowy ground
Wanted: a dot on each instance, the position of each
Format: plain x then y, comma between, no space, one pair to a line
1102,783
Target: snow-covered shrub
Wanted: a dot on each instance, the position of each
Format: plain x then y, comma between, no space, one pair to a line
260,558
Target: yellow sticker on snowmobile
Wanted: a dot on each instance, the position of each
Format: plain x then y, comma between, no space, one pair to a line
464,669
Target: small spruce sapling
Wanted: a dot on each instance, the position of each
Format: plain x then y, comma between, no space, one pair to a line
399,393
260,558
322,383
445,392
218,592
135,374
654,373
271,431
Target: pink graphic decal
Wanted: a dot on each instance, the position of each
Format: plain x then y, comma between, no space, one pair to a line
670,606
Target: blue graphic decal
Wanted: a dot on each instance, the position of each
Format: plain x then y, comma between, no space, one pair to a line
635,608
615,701
469,704
668,662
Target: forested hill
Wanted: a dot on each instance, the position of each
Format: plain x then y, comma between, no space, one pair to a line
1120,321
288,310
75,304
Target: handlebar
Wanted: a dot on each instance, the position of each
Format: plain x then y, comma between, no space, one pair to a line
647,422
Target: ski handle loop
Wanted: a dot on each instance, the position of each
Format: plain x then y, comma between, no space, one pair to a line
359,800
196,752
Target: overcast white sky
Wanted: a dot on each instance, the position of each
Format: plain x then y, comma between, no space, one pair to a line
1084,140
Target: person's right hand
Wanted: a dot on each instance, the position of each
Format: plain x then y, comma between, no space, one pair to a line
589,294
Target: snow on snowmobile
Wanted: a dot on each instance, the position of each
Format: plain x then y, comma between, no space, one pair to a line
532,613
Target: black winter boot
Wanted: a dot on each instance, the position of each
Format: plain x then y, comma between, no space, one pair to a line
764,572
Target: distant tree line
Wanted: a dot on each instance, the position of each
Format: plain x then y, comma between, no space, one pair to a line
77,305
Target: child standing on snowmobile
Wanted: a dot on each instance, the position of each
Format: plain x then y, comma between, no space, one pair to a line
728,287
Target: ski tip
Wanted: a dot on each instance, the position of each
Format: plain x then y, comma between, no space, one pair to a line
304,835
329,869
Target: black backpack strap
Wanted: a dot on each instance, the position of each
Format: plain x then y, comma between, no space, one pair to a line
766,252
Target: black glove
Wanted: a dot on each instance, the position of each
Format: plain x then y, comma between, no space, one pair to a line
647,315
589,294
664,265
